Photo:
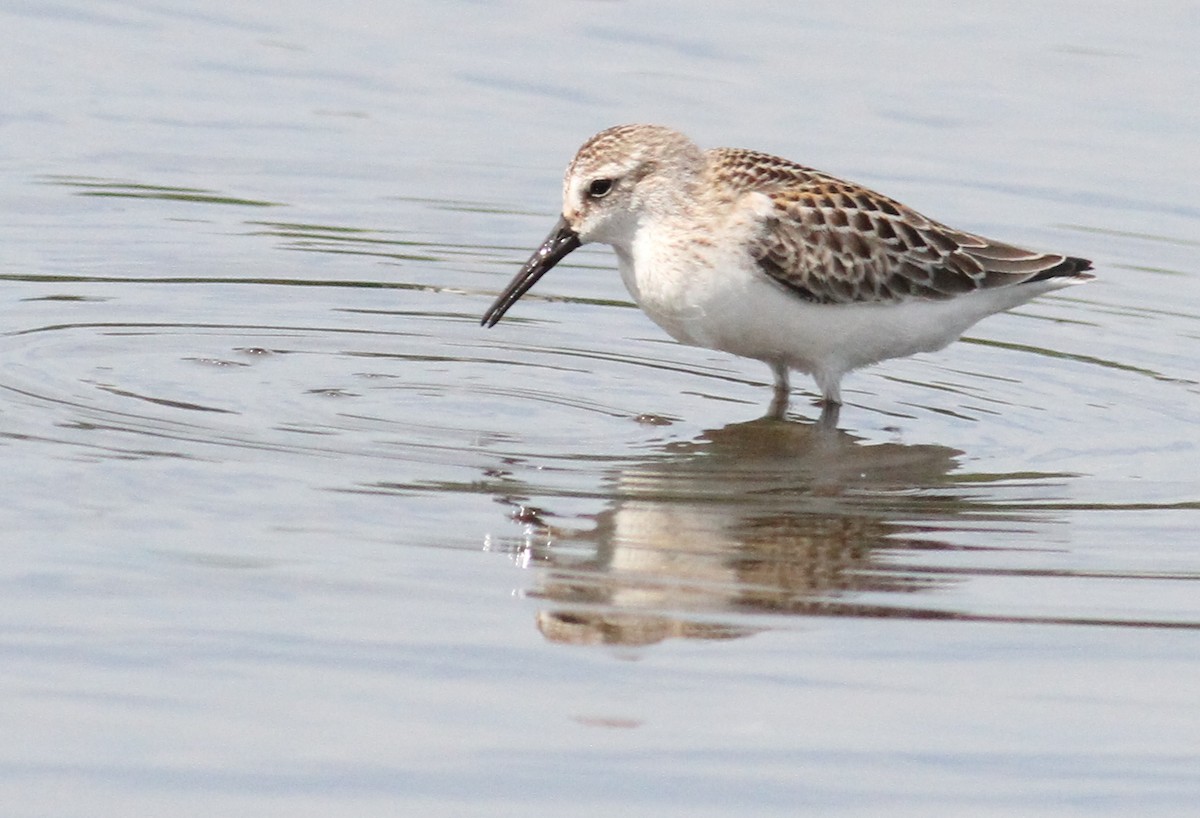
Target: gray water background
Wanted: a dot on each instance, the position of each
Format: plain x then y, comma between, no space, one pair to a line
285,532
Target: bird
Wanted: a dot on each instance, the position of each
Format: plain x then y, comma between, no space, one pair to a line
755,255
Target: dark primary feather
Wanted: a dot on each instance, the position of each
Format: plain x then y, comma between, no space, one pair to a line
834,242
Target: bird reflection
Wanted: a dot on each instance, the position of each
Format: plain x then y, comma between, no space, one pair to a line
758,517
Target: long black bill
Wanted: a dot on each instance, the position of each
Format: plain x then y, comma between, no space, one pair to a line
561,241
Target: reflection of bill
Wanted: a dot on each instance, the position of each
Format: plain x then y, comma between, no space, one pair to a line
760,517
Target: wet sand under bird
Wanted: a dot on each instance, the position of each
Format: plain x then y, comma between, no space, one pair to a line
761,257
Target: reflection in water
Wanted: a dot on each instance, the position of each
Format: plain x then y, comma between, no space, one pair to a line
759,517
200,362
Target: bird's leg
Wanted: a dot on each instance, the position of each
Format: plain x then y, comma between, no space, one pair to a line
829,415
783,390
830,386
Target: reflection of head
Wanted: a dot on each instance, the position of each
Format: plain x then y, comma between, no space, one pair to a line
614,628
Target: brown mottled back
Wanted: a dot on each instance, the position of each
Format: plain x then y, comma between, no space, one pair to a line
835,242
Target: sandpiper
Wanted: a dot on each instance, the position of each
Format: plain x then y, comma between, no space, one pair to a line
756,255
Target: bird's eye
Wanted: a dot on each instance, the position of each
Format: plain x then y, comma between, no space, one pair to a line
599,188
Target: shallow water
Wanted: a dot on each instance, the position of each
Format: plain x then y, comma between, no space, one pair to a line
287,533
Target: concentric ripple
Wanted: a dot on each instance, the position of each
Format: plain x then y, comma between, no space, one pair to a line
624,470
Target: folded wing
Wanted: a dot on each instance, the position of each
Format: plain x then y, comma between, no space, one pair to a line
835,242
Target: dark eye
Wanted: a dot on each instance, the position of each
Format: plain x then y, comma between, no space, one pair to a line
599,188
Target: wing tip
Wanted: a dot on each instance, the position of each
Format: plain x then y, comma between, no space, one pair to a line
1071,267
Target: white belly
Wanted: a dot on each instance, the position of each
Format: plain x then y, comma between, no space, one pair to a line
736,308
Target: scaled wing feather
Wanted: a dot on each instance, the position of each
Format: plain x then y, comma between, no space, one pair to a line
835,242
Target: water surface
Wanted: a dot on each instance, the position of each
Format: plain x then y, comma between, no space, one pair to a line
287,533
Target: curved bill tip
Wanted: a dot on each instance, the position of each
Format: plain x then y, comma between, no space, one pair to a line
561,241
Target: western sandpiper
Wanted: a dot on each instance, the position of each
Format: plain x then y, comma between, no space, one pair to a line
758,256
